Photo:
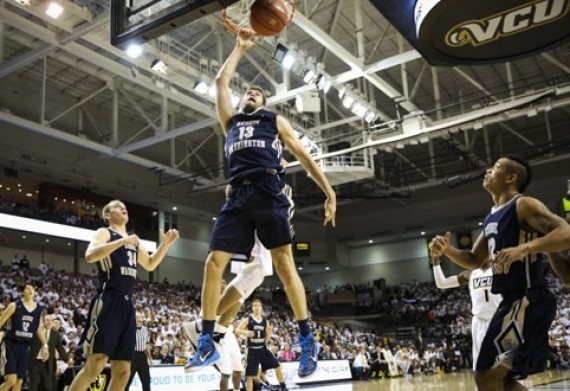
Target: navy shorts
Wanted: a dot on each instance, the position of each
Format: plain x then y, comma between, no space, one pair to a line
261,205
262,356
111,326
17,358
517,336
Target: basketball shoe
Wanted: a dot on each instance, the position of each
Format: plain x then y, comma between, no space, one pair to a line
203,356
309,355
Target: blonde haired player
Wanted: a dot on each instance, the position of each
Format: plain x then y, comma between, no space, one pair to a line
483,302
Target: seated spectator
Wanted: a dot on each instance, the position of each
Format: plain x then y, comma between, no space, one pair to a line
360,365
326,354
166,357
286,354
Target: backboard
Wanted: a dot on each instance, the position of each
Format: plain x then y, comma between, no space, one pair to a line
138,21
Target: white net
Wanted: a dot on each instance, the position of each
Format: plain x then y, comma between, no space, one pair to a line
236,16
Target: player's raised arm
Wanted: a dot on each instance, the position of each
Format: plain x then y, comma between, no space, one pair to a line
224,106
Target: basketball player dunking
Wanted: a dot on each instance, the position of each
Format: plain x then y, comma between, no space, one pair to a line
254,142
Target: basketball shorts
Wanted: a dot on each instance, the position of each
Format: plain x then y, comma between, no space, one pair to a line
17,357
261,205
261,356
111,326
479,328
232,351
517,336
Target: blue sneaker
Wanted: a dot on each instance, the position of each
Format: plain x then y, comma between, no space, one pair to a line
205,355
309,355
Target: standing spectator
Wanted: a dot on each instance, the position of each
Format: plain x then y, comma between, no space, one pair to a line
42,372
24,263
15,263
44,267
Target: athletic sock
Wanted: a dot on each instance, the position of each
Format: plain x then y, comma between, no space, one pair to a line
304,327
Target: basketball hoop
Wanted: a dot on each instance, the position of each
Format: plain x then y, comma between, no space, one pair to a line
236,16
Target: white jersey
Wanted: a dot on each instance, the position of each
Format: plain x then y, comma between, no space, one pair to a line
483,302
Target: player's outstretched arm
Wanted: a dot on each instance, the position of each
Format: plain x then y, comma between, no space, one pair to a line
150,262
292,142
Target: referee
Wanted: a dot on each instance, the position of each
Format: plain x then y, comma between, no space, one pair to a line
142,356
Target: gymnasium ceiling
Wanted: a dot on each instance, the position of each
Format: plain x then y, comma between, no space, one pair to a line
79,112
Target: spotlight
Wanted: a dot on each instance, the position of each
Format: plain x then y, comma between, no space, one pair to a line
134,50
310,76
371,116
201,87
54,10
159,66
289,59
359,109
323,83
347,101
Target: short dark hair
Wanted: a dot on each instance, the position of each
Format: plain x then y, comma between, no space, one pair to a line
522,170
258,88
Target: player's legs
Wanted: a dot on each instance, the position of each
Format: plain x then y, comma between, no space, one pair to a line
206,353
242,286
120,371
10,381
213,271
236,380
287,272
93,367
230,298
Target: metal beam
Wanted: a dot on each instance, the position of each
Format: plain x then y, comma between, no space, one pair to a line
354,63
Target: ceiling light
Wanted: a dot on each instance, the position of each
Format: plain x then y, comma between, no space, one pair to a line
300,267
370,241
478,125
201,87
359,109
54,10
174,208
347,101
371,116
134,50
159,66
531,112
327,268
310,76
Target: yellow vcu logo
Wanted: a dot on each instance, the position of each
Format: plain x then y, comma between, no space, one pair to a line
99,383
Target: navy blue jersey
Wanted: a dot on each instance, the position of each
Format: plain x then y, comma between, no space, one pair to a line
253,143
502,230
119,271
23,324
258,328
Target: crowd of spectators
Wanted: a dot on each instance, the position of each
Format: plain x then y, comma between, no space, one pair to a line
444,316
67,213
446,344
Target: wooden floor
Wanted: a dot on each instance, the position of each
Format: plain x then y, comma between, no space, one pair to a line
459,381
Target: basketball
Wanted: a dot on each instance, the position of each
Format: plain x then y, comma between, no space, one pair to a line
268,17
